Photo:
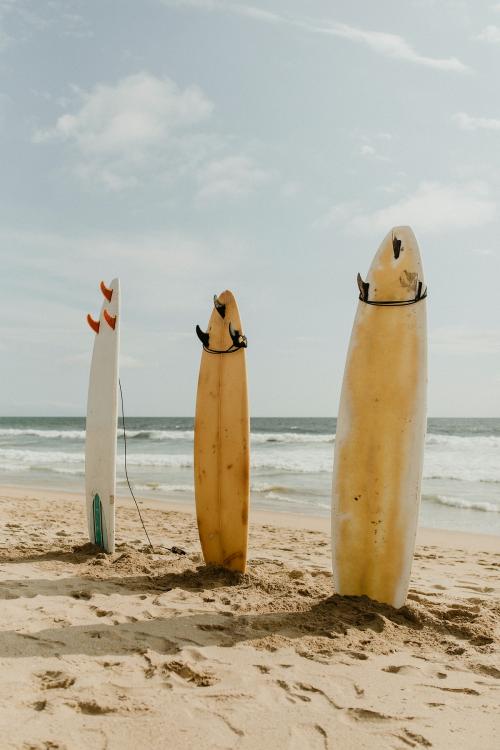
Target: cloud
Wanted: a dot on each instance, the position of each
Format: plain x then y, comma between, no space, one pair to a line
484,251
339,214
388,45
291,189
249,11
370,152
434,208
145,126
140,111
466,122
463,340
230,176
490,34
22,19
118,130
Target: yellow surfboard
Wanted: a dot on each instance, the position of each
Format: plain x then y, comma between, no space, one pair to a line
222,439
381,428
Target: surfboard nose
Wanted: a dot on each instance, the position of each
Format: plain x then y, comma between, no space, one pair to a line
399,244
403,240
396,270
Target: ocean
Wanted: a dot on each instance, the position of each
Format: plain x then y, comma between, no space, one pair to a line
291,464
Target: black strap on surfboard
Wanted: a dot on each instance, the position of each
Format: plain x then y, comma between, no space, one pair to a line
175,550
364,288
238,339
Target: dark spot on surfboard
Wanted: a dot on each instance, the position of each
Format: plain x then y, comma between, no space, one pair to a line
409,280
397,247
232,558
229,466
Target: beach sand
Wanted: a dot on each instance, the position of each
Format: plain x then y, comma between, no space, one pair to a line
141,650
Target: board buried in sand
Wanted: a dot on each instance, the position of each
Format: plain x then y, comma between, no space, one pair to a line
101,425
381,428
221,439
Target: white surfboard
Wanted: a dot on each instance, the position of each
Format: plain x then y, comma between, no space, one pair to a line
381,428
101,426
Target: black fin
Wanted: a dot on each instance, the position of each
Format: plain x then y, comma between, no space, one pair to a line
219,306
239,341
363,287
396,247
204,337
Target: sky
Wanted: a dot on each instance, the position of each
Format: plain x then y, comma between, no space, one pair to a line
189,146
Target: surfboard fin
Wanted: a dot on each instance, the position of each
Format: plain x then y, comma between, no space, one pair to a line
239,341
110,320
108,293
397,246
94,324
421,292
363,287
203,336
219,306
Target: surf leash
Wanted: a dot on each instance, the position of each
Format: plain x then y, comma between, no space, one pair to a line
175,550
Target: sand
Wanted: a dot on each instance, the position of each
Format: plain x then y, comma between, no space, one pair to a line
141,650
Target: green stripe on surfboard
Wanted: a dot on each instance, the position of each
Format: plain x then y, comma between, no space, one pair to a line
97,511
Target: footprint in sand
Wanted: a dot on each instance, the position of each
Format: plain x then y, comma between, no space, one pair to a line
53,680
413,740
198,678
292,695
103,613
301,737
81,595
208,627
466,691
473,587
92,708
403,669
487,669
263,669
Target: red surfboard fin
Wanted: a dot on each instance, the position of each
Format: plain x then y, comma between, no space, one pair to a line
110,320
108,293
94,324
